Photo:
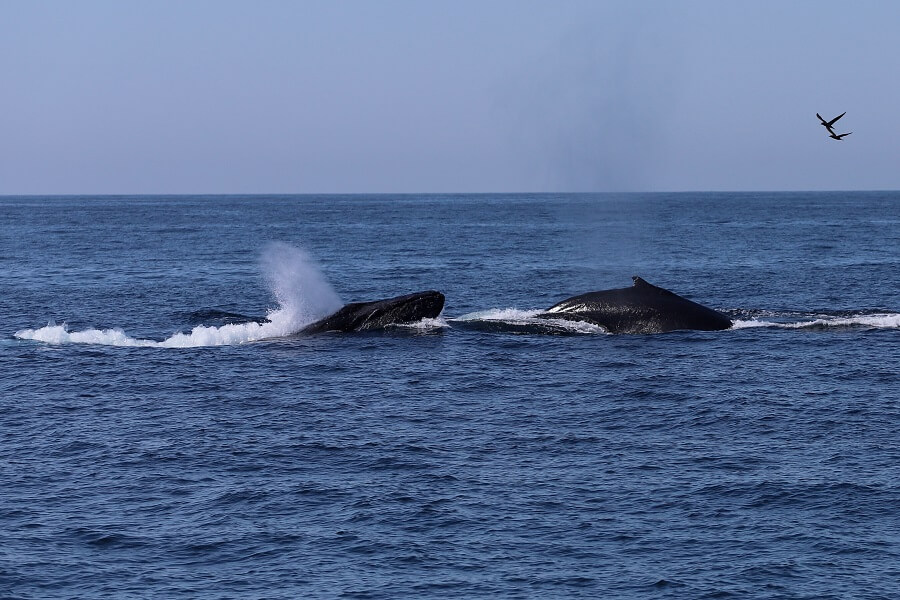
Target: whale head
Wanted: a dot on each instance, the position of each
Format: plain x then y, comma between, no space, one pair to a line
364,316
409,308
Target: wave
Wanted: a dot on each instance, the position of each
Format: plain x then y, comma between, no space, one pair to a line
500,314
301,290
525,321
514,320
426,324
859,320
201,335
205,316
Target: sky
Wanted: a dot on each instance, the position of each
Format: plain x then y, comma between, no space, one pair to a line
416,96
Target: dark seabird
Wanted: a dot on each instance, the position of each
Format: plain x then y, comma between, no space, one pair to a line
838,136
829,124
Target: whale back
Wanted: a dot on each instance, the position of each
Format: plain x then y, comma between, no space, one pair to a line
641,308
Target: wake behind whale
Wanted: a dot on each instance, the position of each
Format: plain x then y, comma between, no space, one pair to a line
307,304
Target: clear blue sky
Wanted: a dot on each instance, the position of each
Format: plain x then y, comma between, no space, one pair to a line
446,96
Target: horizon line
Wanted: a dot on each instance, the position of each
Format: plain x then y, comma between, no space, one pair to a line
520,193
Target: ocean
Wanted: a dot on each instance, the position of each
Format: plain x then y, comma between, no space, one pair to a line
163,434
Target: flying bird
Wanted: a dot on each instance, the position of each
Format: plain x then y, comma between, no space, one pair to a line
838,137
829,124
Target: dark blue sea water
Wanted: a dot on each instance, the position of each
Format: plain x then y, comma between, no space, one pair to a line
152,445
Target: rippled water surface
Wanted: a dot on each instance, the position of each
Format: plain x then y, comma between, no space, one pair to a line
162,433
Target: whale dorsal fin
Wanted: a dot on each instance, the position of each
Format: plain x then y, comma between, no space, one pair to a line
639,283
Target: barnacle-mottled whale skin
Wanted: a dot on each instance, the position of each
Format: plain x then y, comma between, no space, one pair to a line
378,314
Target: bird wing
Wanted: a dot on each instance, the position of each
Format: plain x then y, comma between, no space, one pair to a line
834,120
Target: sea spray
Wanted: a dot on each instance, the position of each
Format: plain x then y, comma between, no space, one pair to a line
300,289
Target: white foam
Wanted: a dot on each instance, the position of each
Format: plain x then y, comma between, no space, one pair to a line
518,317
750,323
877,321
201,335
58,334
512,315
581,326
300,288
427,324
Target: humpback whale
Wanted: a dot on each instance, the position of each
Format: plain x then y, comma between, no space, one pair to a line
829,125
378,314
642,308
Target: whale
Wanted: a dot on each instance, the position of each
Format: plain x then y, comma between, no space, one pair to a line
641,308
380,314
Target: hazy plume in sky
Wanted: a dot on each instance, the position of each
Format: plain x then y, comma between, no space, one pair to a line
408,96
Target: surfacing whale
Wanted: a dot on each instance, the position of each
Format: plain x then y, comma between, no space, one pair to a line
641,308
378,314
